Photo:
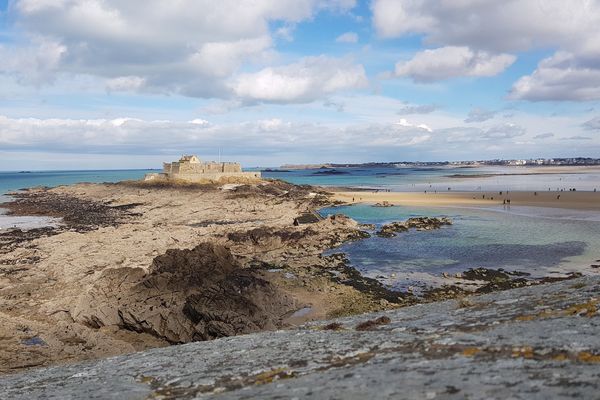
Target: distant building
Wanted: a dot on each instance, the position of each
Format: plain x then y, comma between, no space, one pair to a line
190,168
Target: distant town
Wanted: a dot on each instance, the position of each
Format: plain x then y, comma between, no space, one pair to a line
530,162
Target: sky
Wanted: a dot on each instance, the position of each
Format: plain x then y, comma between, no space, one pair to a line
129,84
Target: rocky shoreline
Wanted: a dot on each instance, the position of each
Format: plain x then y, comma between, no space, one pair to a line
140,265
530,343
137,265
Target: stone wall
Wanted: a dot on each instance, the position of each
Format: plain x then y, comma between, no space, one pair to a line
202,171
214,176
211,167
204,177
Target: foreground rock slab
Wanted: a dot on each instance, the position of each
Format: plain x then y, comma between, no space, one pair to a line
529,343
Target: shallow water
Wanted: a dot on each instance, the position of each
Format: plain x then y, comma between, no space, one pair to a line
526,239
13,181
406,179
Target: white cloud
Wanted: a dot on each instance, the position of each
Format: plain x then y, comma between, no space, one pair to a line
36,63
125,83
189,47
450,62
135,136
273,140
199,121
404,123
393,18
564,76
500,27
348,37
490,25
307,80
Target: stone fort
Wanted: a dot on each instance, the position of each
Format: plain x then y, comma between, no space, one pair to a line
192,169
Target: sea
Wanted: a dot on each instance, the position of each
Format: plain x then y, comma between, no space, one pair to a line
535,240
16,180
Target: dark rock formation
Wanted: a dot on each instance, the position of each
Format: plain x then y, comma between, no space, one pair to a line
76,213
187,295
494,280
329,232
331,172
419,223
383,204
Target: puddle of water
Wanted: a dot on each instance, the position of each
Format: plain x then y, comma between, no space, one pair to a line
34,341
301,312
24,223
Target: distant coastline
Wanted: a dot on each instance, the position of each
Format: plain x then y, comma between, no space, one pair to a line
540,162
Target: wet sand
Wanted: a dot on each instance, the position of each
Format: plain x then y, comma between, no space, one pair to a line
538,170
553,199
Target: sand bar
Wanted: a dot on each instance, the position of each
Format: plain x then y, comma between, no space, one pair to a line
568,200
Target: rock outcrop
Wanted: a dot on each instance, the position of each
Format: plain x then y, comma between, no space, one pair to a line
419,223
383,204
186,295
530,343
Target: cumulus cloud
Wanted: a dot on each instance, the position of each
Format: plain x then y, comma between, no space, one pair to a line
450,62
189,47
348,37
564,76
307,80
593,124
36,63
479,115
498,29
506,26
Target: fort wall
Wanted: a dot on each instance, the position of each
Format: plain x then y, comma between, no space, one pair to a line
191,169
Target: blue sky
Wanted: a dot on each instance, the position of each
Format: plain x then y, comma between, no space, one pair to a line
280,81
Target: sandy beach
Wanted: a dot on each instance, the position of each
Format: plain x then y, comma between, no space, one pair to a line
554,199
